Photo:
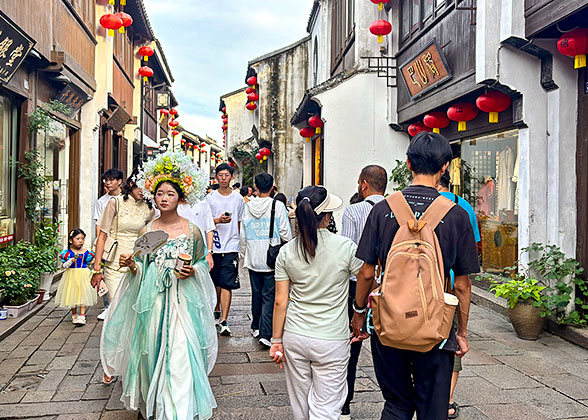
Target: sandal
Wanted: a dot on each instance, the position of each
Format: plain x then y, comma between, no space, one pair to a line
107,379
453,406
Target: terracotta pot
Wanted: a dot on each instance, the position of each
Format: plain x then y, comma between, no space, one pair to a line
526,320
41,293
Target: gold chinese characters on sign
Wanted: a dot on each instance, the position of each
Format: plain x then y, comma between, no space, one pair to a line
425,71
14,47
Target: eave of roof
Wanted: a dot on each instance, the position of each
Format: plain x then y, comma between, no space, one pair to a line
313,13
278,52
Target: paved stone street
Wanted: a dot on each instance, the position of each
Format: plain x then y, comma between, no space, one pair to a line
50,370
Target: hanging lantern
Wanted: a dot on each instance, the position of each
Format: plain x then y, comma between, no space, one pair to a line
575,44
110,22
416,128
225,120
251,106
203,145
146,52
126,19
183,141
493,102
225,127
224,109
307,133
252,81
174,124
224,136
259,157
173,112
163,113
146,72
462,112
175,133
253,97
380,3
250,90
380,28
316,122
436,120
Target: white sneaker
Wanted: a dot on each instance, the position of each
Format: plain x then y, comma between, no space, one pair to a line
102,315
265,342
255,333
81,320
74,319
224,329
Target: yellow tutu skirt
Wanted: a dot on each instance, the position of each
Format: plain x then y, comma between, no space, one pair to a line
75,289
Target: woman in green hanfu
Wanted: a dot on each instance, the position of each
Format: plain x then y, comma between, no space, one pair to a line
159,336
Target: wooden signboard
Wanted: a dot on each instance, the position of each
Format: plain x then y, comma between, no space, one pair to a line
425,70
15,45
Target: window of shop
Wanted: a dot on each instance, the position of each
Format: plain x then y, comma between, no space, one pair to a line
486,175
7,173
342,32
415,15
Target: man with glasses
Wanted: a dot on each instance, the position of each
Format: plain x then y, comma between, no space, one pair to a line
112,180
227,210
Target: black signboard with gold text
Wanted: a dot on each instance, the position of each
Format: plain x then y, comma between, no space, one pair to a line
15,45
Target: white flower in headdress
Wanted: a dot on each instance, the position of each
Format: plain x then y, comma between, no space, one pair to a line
173,167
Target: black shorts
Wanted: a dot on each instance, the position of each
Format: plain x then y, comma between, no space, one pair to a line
225,273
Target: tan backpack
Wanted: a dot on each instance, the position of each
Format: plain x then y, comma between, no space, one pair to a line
411,309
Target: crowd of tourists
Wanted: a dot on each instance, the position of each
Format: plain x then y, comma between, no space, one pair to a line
396,275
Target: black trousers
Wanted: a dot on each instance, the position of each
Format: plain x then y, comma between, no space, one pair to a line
262,302
413,381
355,349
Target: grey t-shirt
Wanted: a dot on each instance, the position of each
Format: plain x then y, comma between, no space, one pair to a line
318,296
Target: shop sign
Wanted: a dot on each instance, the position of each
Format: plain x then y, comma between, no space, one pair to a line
15,45
7,238
425,70
72,97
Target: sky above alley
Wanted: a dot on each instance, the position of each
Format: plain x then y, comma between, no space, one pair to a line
209,42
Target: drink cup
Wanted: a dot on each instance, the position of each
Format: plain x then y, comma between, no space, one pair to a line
182,261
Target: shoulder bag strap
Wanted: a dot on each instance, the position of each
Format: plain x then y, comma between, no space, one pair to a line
370,202
456,198
117,214
272,220
437,211
399,206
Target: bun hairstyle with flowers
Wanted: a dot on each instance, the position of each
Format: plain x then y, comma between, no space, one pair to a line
72,234
177,169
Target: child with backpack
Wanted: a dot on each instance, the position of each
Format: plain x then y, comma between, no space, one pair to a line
416,236
75,289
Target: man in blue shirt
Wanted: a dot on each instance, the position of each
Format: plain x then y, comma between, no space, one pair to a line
443,189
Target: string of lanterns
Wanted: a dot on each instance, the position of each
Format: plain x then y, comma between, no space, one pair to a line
492,102
252,96
380,27
225,118
315,126
262,154
115,21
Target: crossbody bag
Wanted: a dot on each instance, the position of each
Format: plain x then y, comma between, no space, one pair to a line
273,250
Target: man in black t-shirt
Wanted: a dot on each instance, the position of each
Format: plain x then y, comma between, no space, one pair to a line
410,380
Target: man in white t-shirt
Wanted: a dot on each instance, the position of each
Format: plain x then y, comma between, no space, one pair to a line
227,210
201,216
112,180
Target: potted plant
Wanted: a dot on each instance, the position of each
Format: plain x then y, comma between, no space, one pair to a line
19,276
47,250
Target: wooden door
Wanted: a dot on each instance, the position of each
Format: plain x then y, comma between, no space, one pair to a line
582,171
73,194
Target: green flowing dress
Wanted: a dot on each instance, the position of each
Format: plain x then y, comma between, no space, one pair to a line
159,336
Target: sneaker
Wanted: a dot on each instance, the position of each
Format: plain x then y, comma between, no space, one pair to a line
102,315
345,413
217,316
224,329
255,333
265,342
74,319
81,320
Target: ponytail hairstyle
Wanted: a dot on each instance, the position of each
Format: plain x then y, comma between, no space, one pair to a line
308,221
75,232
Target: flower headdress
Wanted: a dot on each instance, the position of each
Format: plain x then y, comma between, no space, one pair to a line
173,167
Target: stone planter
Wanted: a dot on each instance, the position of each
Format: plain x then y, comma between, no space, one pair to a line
46,282
526,320
33,302
16,311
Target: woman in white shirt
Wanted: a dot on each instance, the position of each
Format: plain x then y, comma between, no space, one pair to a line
311,326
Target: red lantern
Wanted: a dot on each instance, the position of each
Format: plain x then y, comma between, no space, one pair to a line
174,124
380,28
173,112
252,97
251,106
224,109
575,44
380,3
307,133
462,112
436,120
225,127
316,122
259,157
225,120
183,141
146,52
252,81
224,136
126,19
250,90
265,151
416,128
164,113
110,22
146,72
203,145
493,102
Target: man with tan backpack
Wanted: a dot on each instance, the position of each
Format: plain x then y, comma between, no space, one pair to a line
416,236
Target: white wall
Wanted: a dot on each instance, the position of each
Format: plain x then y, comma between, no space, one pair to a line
356,134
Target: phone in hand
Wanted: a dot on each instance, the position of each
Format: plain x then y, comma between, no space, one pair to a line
102,289
227,213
